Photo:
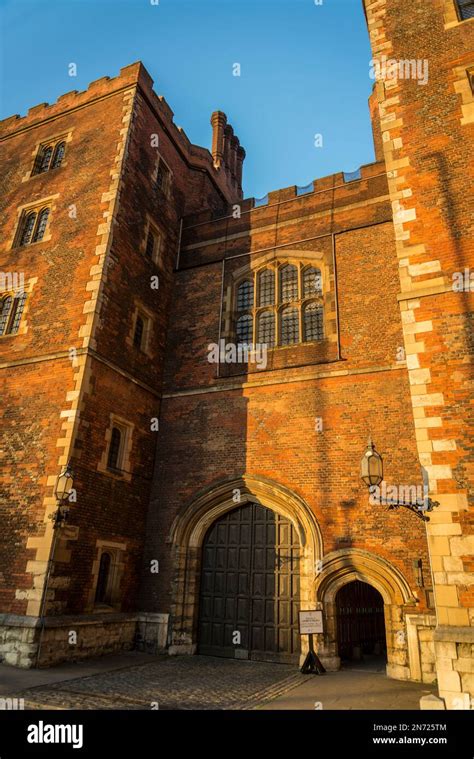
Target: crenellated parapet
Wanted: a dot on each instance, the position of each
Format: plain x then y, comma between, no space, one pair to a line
227,177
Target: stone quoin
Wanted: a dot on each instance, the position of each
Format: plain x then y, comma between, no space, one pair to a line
215,499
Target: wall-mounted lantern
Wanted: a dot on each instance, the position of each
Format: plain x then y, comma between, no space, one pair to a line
371,471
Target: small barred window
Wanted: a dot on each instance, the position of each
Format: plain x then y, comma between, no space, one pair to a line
50,156
28,227
114,449
150,245
32,227
58,155
11,310
138,334
101,595
163,177
5,309
41,225
45,159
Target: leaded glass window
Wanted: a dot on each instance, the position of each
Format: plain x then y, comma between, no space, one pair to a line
41,225
466,9
28,226
289,326
313,322
244,329
288,283
5,306
17,310
245,295
312,282
45,159
58,155
11,310
266,328
266,288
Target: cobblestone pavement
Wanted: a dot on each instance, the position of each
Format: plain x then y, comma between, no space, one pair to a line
184,682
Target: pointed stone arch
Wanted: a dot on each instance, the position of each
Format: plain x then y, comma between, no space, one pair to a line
194,520
346,565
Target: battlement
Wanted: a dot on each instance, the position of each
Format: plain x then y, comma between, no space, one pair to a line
135,75
334,189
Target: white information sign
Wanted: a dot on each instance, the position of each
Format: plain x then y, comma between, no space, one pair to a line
311,622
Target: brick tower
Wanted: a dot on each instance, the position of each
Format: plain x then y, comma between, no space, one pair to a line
428,131
93,190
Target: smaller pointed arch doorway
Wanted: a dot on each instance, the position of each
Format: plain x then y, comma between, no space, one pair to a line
361,636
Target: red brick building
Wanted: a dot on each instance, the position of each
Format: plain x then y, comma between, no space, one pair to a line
217,490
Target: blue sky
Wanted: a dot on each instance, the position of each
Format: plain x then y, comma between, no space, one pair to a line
304,71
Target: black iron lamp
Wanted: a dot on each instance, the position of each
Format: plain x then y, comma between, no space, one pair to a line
371,466
62,491
371,471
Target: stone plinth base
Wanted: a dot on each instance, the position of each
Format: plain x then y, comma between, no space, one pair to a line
454,647
330,663
67,638
152,633
432,703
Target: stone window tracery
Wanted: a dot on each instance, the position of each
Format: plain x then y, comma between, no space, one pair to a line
279,304
32,226
50,156
11,310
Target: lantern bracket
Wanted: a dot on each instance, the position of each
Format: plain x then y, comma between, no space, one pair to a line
417,507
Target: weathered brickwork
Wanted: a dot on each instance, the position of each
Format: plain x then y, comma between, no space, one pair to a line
266,424
430,170
70,366
391,359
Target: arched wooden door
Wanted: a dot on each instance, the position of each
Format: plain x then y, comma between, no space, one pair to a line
360,621
249,594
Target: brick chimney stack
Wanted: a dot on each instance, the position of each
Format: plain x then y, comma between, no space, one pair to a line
219,122
240,162
228,134
227,152
234,145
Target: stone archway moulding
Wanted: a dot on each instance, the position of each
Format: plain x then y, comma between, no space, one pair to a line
346,565
194,520
349,564
192,523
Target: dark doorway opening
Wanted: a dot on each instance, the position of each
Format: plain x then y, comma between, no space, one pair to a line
249,593
360,625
